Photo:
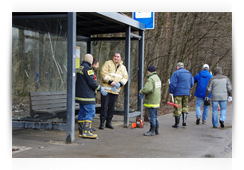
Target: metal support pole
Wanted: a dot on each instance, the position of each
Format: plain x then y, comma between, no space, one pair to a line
89,47
70,123
141,71
127,86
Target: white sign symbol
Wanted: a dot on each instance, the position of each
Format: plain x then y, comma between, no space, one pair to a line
143,14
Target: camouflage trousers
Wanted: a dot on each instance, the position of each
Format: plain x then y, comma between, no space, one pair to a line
183,102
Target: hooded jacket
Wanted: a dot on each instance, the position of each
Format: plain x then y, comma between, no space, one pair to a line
202,79
111,73
152,91
181,82
219,85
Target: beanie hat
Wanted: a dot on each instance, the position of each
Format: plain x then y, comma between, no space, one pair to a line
88,58
151,68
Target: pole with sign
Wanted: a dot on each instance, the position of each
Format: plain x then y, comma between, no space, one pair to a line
146,18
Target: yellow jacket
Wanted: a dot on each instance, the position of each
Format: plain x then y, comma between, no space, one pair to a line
110,72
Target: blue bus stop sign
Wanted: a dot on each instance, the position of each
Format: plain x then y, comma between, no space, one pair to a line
146,18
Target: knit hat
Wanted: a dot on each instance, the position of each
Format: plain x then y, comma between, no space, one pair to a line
88,58
151,68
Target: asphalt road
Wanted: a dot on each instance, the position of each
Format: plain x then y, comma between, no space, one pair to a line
192,141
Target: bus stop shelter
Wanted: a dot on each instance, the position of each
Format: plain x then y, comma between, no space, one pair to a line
82,26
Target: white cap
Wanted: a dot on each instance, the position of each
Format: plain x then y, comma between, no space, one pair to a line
205,66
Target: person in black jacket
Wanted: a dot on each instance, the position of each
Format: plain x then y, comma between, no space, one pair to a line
85,94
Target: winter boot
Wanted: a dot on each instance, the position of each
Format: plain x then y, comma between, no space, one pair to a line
102,120
156,129
86,130
184,116
108,123
150,128
177,121
80,128
151,132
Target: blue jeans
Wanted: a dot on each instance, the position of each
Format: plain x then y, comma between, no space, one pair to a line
223,105
199,102
87,112
153,116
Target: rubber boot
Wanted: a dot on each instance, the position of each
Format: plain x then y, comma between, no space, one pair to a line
150,129
151,132
177,121
108,123
156,129
86,130
102,120
184,116
80,128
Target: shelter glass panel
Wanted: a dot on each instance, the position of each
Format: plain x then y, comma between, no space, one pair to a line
39,64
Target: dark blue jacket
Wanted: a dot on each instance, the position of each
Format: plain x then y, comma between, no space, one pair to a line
181,82
85,85
202,79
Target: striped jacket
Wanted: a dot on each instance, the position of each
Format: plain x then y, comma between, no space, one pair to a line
85,85
111,73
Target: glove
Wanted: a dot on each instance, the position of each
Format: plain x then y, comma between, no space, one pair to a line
230,99
103,91
140,96
207,101
117,85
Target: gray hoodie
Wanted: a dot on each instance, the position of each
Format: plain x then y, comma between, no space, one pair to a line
219,85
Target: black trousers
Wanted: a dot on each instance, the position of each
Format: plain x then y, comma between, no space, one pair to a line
107,106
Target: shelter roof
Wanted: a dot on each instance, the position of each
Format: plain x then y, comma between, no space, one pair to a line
88,23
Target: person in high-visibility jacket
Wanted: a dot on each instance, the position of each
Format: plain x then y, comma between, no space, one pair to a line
114,75
152,91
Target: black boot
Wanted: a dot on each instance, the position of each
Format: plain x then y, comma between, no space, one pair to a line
222,123
151,132
102,120
156,129
184,116
150,129
108,123
177,121
80,128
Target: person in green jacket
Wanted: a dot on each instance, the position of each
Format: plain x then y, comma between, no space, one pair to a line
152,91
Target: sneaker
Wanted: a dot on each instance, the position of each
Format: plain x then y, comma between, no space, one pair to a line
214,127
222,123
204,122
198,120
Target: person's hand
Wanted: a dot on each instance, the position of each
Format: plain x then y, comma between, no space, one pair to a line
117,85
103,91
230,99
112,84
207,101
140,96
